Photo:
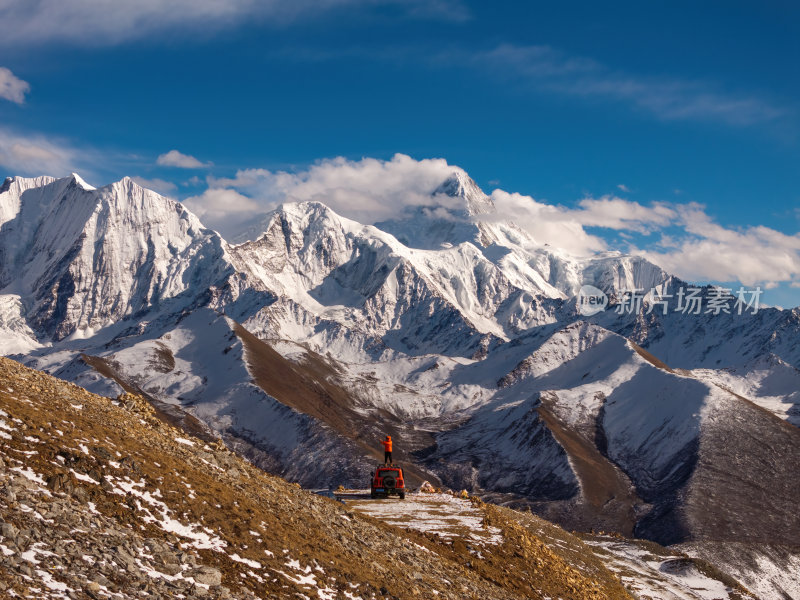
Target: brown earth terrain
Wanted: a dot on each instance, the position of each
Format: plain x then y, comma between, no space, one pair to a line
609,494
102,498
310,387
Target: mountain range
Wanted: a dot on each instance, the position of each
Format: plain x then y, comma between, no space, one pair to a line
451,329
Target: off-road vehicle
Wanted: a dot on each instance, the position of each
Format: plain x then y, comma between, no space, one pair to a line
388,480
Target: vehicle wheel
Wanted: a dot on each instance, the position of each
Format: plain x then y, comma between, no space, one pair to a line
388,482
373,495
402,495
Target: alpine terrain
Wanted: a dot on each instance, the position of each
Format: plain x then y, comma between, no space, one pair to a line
452,330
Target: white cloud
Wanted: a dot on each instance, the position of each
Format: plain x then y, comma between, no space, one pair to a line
221,201
444,10
623,188
12,87
223,209
90,22
371,190
367,190
35,154
106,22
670,99
615,213
711,252
173,158
157,185
566,227
547,223
750,260
705,251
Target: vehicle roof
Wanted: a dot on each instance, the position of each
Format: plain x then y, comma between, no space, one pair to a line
390,469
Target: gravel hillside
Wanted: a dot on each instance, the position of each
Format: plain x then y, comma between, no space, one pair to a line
100,498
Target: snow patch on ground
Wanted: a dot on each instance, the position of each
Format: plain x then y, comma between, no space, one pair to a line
441,514
31,475
201,539
658,577
251,563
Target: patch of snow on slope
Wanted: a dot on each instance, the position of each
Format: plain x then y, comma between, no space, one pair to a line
770,572
202,540
442,514
768,381
659,577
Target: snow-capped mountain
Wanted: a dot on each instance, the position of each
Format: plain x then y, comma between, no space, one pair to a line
450,328
82,259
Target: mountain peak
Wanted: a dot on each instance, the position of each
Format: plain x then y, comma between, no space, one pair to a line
127,191
127,182
461,185
81,183
455,185
449,220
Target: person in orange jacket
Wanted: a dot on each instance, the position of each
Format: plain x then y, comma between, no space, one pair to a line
387,450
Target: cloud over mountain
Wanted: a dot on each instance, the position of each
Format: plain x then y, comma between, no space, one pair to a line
752,255
681,238
173,158
368,190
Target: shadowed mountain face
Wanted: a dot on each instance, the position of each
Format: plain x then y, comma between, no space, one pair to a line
453,331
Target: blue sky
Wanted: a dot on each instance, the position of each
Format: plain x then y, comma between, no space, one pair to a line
667,128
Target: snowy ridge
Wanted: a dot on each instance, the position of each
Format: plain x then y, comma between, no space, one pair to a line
83,259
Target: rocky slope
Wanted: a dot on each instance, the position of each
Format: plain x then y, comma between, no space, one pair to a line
100,498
